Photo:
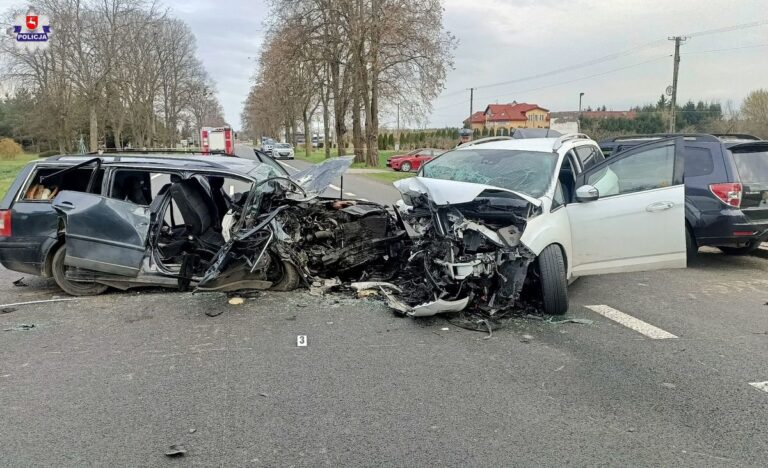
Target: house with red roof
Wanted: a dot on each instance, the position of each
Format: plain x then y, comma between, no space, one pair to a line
509,116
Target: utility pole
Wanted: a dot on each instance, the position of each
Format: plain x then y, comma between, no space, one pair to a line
471,102
673,103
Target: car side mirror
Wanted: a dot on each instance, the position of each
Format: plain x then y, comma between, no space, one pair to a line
587,193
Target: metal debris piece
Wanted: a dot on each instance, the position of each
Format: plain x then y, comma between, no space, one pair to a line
14,304
8,310
319,288
20,282
362,285
264,395
21,327
582,321
176,450
395,303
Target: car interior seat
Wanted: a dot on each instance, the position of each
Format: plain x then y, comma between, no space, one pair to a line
199,212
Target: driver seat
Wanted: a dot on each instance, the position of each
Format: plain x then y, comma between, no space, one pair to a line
199,213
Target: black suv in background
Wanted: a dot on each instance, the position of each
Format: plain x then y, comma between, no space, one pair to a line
726,188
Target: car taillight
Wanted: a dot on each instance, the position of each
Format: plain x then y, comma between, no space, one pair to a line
730,194
5,223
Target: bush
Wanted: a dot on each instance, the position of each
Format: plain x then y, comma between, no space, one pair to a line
9,149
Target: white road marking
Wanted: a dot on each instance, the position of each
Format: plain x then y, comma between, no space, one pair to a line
334,187
363,199
631,322
350,194
287,165
231,190
760,386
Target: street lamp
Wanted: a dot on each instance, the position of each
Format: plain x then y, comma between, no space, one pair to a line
578,121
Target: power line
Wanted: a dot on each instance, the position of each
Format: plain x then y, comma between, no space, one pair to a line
735,27
723,50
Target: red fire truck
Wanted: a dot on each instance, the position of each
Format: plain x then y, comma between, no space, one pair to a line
217,139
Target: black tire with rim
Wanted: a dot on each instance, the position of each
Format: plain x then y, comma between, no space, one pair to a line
554,286
289,277
406,167
74,288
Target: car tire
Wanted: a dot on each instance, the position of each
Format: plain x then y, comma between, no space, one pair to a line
747,249
289,280
691,248
406,167
554,286
73,288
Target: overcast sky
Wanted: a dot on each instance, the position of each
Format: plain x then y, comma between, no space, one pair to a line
507,40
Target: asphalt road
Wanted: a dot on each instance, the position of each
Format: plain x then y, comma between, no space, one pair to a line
116,379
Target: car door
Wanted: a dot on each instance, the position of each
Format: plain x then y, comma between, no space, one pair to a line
638,220
103,234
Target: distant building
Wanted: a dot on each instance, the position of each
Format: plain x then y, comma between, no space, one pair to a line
509,116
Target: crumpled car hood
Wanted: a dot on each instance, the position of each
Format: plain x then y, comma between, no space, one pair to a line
316,179
451,192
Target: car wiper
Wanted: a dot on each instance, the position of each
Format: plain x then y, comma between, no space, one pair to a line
92,179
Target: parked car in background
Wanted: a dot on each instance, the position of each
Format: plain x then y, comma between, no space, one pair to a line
413,160
726,188
267,145
282,151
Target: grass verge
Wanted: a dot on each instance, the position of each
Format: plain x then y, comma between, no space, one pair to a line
10,167
318,156
389,177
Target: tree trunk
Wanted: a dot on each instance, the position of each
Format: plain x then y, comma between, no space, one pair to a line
339,109
94,136
326,126
307,135
357,131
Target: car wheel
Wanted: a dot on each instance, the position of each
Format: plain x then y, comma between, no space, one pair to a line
691,249
747,249
554,287
289,278
406,167
74,288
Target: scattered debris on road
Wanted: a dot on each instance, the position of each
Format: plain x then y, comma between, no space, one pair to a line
176,450
236,300
8,310
20,282
44,301
22,327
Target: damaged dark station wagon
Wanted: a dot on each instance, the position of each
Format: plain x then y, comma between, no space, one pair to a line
219,223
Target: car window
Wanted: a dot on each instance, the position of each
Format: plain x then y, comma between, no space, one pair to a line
75,180
589,156
559,198
529,172
752,166
698,161
645,170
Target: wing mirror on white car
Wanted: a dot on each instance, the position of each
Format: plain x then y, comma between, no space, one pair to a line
587,193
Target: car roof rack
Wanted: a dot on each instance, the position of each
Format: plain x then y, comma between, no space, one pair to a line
736,136
146,158
161,151
486,140
658,136
568,137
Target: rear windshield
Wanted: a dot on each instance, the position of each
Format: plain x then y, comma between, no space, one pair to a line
753,166
528,172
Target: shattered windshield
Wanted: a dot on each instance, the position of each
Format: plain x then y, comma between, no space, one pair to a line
528,172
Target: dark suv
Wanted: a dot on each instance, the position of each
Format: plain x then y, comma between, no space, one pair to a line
726,188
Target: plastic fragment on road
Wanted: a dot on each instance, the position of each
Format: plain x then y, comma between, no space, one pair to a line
20,282
581,321
438,307
176,450
236,300
22,327
363,285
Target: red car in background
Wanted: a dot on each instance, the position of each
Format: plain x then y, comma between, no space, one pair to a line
412,161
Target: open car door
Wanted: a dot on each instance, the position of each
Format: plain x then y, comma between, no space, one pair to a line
629,212
103,234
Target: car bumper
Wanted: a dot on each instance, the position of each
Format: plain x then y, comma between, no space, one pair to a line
731,228
24,257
